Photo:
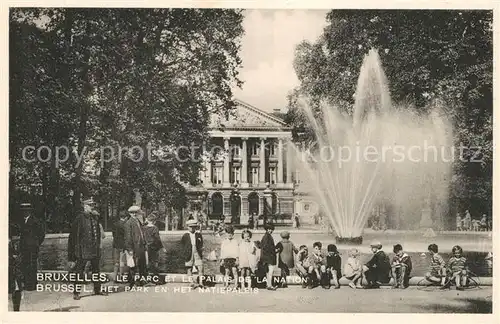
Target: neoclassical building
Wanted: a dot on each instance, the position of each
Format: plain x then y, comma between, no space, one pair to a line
247,167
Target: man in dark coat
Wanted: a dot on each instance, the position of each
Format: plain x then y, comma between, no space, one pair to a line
32,234
119,255
154,246
268,254
15,274
378,269
84,245
135,245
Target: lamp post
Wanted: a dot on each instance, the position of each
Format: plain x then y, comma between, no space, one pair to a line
137,198
235,202
268,192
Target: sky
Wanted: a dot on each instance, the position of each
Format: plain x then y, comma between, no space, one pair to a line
267,53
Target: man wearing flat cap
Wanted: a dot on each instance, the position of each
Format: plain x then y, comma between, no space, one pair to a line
84,244
135,245
32,234
377,270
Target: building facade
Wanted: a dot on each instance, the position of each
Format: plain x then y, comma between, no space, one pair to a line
247,168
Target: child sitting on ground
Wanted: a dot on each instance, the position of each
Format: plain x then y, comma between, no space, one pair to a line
401,267
458,268
437,273
229,257
317,268
286,251
302,265
353,270
333,264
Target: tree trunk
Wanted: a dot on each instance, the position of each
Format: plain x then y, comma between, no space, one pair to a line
85,110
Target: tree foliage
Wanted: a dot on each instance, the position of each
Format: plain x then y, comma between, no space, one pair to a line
115,78
427,55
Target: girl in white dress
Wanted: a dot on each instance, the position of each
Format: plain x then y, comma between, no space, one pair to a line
247,258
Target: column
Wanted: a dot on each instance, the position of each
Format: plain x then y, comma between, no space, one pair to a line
279,171
227,155
207,157
262,169
244,163
289,164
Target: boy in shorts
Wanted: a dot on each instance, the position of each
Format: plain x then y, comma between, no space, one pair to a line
401,267
286,253
437,271
302,265
229,255
458,268
317,267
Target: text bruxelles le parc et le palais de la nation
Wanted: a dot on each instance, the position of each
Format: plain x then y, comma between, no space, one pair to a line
80,282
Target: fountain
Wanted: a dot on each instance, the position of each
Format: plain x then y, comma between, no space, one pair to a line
358,161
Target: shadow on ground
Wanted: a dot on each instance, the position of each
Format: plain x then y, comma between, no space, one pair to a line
466,305
62,309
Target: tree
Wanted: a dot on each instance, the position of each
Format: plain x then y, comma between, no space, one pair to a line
434,54
118,78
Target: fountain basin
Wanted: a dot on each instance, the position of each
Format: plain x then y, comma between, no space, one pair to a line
358,240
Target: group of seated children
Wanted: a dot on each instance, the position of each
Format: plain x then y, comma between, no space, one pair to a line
455,272
247,259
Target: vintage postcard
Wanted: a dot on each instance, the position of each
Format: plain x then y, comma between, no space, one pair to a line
256,160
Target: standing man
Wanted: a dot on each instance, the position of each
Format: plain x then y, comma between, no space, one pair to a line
268,255
119,256
32,234
297,220
15,273
84,245
135,245
192,252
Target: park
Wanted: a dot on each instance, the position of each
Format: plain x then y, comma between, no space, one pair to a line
362,154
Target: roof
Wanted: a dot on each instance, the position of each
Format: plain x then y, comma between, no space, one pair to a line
246,116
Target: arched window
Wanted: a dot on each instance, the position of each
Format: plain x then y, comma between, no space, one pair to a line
253,203
217,205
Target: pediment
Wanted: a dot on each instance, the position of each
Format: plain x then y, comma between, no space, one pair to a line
246,116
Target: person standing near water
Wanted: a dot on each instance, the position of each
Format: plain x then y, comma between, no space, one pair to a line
135,246
84,245
297,220
459,222
15,273
192,250
32,235
467,221
268,254
119,256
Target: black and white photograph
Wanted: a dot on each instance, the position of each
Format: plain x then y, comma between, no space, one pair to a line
250,160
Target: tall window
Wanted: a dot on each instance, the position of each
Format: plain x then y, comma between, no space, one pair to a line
217,175
297,178
272,149
255,175
201,175
272,175
236,151
236,175
255,148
